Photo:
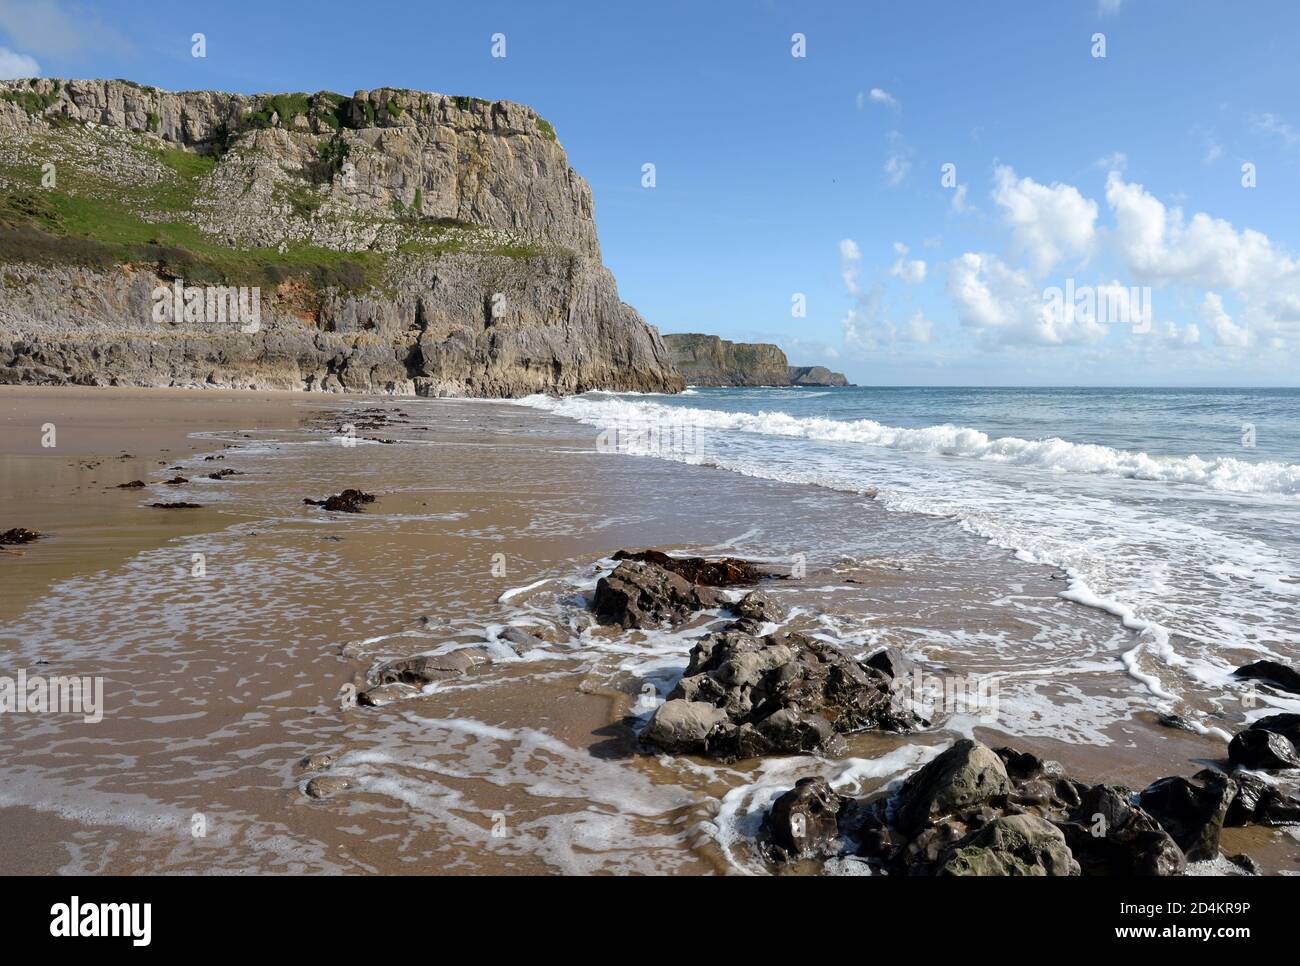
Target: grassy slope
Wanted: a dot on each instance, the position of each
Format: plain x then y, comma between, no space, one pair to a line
89,220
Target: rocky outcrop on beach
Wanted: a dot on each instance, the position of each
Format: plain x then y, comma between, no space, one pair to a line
749,689
974,810
388,241
744,696
753,689
707,360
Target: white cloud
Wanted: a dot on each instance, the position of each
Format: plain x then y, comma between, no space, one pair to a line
959,204
1226,331
1109,6
899,160
1160,246
919,328
1048,223
14,65
866,324
1006,307
850,256
879,96
911,271
1174,336
1274,126
1115,161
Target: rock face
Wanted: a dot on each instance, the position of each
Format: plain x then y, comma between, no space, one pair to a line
706,360
391,241
815,376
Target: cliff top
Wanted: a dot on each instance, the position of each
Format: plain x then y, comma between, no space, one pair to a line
229,185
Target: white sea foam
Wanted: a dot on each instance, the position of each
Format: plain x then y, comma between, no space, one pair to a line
1052,454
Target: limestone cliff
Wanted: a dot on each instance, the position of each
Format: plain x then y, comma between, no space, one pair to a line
706,360
816,376
390,241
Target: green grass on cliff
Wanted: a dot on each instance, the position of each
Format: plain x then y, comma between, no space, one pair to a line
94,220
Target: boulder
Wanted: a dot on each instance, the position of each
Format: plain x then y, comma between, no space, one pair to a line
424,669
1109,835
1279,675
683,727
757,606
520,640
1192,812
966,775
383,694
638,594
722,572
783,694
1262,750
803,821
1286,725
891,661
323,786
1012,845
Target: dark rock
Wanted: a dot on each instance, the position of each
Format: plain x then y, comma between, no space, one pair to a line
349,501
421,670
133,485
966,775
757,606
222,474
1109,835
723,572
179,505
1246,864
683,727
1023,767
323,786
1245,804
1175,721
803,821
1264,750
176,481
1277,808
638,594
892,661
780,694
383,694
18,535
1192,814
1012,845
1287,725
1280,676
520,640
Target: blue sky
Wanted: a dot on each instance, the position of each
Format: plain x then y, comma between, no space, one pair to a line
822,175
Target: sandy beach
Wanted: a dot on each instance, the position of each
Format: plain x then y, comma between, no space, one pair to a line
218,686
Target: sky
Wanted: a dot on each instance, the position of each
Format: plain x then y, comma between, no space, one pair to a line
919,193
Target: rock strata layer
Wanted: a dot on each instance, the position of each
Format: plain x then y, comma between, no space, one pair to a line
389,241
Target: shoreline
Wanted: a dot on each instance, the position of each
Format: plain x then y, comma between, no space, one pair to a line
464,482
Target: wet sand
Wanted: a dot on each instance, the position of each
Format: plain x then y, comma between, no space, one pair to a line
218,685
